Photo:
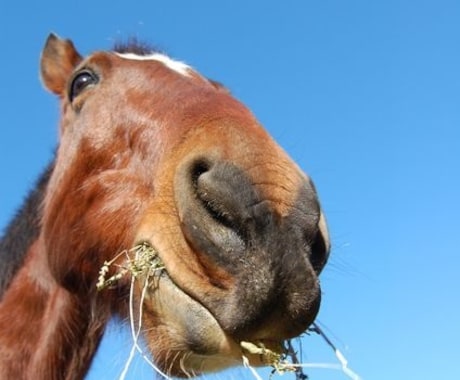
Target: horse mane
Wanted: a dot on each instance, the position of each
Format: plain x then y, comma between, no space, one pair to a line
134,46
22,231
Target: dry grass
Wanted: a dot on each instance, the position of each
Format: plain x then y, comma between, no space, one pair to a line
282,362
145,260
142,261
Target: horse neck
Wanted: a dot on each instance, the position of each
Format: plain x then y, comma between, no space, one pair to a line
46,332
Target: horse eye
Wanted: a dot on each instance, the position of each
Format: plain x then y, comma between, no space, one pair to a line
81,81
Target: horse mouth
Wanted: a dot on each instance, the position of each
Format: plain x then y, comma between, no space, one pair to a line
185,338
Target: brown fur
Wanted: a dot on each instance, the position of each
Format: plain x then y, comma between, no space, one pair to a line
149,154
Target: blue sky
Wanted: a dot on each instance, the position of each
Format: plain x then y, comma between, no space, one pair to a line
366,98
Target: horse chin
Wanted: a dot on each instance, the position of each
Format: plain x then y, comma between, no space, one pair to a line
184,337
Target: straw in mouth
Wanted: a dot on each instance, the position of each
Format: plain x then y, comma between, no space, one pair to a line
140,260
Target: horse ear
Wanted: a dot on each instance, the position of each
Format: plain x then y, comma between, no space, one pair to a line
58,60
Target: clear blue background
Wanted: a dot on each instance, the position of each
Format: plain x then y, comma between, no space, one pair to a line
364,95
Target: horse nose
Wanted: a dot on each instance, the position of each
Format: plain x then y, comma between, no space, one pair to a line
219,203
272,259
223,215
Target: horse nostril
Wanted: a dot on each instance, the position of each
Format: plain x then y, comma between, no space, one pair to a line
320,247
198,168
210,190
212,200
215,199
319,253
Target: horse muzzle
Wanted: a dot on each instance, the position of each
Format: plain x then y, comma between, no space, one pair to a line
272,260
244,267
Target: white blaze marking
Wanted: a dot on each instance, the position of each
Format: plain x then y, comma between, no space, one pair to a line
177,66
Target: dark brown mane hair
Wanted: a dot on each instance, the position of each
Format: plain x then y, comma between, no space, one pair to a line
22,231
135,46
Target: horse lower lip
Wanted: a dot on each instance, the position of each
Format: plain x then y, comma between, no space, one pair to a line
187,314
205,346
197,319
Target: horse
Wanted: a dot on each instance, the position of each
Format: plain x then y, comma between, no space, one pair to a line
153,153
